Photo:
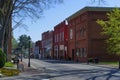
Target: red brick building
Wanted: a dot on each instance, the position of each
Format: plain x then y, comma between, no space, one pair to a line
85,39
47,44
60,41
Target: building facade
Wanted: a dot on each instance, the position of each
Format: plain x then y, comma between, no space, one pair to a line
47,44
61,41
38,50
78,38
85,39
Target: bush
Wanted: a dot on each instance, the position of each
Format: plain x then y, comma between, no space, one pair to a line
2,58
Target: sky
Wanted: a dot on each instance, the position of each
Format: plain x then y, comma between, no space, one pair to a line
53,16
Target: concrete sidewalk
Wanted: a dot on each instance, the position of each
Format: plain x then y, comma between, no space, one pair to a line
28,70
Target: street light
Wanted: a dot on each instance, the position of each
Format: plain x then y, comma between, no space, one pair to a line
21,54
21,51
29,52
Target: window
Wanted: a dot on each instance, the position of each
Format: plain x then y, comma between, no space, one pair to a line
71,34
85,54
62,36
77,52
82,32
82,52
57,38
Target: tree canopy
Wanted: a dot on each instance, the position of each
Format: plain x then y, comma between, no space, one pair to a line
14,43
24,41
111,28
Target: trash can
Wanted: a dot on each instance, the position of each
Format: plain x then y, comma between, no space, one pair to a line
96,60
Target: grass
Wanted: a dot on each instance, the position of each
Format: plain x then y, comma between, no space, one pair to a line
110,63
9,64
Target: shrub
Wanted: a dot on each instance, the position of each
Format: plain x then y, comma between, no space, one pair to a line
2,58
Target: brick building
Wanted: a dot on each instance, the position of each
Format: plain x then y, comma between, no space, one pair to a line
38,49
60,41
85,40
47,44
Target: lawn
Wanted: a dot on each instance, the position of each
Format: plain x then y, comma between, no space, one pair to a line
9,64
110,63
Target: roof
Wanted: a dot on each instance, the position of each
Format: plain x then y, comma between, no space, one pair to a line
85,9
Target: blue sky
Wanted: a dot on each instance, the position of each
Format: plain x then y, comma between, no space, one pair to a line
57,14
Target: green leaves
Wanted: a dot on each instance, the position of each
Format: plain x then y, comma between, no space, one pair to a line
2,58
24,41
111,28
14,43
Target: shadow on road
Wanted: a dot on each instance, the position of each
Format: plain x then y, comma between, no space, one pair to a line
93,74
60,61
87,74
113,74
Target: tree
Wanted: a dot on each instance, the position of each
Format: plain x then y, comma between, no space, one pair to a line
14,43
17,10
24,43
2,58
5,22
111,28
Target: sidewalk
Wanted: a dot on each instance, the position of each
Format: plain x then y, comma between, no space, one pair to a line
29,73
28,70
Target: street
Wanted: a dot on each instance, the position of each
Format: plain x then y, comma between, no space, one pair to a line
64,70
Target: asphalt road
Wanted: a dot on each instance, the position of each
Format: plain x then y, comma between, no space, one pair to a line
62,70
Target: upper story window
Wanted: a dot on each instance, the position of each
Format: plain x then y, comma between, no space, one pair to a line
82,32
71,33
62,36
58,37
54,38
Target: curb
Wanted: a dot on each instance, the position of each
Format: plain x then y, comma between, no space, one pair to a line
104,66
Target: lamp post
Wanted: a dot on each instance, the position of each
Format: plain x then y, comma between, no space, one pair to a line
20,50
21,53
29,52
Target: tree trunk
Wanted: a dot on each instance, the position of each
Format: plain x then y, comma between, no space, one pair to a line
2,40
